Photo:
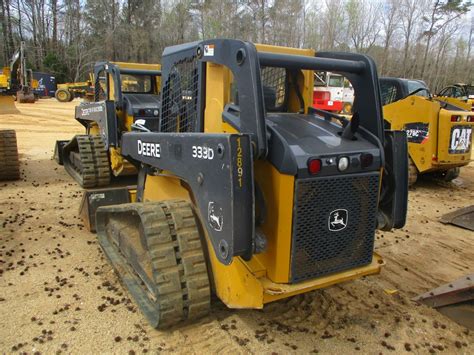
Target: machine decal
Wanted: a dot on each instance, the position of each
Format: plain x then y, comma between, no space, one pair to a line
215,217
149,149
202,152
209,50
460,141
89,110
417,132
338,220
240,165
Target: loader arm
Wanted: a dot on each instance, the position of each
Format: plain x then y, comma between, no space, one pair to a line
219,170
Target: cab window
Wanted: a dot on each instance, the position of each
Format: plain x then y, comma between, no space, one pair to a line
389,92
135,83
414,85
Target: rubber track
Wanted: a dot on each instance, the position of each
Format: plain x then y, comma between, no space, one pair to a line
412,173
95,169
181,288
9,162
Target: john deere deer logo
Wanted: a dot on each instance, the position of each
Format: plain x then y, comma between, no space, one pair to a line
215,216
338,220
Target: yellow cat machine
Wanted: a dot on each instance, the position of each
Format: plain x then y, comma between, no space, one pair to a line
439,133
125,94
247,190
66,92
9,162
461,95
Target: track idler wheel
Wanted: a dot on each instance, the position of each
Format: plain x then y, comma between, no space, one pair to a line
156,250
86,159
9,163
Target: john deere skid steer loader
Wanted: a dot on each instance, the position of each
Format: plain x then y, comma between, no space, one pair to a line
439,133
245,189
125,94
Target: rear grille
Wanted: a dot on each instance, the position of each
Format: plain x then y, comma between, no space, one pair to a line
318,251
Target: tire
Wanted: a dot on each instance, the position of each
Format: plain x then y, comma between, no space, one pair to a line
62,95
9,162
412,173
347,108
72,96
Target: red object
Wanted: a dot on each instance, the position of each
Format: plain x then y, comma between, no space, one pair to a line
455,118
321,100
314,166
470,118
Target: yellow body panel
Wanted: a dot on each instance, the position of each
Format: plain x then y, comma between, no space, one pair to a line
5,78
464,104
119,165
432,154
277,190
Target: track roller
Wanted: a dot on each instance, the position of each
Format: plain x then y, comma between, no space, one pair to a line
9,163
85,158
156,250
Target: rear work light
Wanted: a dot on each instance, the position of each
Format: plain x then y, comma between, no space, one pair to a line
455,118
314,166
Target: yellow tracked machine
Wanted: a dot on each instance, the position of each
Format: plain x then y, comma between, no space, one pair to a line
125,94
16,83
244,189
439,133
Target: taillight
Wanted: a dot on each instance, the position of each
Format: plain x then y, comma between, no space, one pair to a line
455,118
470,118
314,166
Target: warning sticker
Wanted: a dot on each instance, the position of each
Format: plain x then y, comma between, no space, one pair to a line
209,50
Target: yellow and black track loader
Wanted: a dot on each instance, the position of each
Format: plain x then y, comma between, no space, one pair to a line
126,94
439,133
245,190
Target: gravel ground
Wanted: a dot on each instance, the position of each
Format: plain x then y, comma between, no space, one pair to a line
59,295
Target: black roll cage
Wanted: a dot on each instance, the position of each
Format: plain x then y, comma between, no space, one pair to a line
116,71
244,61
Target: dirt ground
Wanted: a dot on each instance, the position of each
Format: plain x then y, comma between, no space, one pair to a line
59,295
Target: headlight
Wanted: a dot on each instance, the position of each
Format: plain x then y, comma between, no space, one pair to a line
343,163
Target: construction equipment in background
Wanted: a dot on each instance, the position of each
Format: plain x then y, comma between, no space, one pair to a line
439,133
16,81
9,162
328,91
125,94
461,95
247,189
66,92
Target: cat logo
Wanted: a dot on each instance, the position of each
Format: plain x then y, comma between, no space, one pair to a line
338,220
